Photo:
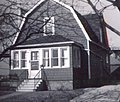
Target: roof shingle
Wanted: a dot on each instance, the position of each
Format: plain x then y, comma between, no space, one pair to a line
47,39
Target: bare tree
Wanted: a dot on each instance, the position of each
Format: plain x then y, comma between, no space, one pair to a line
10,19
10,24
115,3
99,13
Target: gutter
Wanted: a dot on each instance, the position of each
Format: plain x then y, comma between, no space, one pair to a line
47,44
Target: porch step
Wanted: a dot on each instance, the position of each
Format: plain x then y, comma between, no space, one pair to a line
28,85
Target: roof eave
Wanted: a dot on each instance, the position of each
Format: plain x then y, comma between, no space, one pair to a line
45,44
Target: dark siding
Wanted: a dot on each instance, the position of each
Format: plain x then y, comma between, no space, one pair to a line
99,68
96,66
96,24
58,74
84,64
77,78
21,73
75,51
80,74
84,70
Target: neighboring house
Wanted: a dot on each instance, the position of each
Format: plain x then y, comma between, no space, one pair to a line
115,63
69,49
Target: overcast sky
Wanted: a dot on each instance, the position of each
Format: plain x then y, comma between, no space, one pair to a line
113,18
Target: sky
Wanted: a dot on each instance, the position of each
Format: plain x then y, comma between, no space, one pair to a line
112,17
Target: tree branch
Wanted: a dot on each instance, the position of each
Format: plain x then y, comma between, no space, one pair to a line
100,15
115,3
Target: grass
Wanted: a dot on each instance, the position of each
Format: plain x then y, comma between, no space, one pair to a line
2,93
45,96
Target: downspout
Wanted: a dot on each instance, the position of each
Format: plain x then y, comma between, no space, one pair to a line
88,52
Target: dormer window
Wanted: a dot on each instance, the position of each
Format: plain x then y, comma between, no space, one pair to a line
49,26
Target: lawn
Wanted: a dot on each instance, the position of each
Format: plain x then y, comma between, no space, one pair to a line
44,96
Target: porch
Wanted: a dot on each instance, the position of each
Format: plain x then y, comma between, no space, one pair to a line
18,80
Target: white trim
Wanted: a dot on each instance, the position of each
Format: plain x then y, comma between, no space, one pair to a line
61,3
52,24
40,50
23,59
59,58
46,44
80,24
76,18
89,68
23,21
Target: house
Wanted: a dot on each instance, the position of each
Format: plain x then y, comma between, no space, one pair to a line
65,49
115,63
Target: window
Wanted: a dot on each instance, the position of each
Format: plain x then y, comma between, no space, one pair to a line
64,57
54,57
34,55
15,59
78,57
107,58
49,26
23,59
77,60
46,58
34,60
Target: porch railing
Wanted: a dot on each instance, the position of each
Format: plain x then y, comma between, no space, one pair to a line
21,77
45,78
37,78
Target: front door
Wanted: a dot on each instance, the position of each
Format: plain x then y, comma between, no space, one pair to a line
34,63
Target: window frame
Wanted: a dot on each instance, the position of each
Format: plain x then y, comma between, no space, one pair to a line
23,59
63,57
46,58
14,60
54,58
34,58
107,58
77,58
59,57
51,19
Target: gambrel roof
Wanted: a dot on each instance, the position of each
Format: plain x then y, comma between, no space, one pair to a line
84,24
92,24
40,3
47,39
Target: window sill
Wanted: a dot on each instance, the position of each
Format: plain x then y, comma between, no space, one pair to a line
54,67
